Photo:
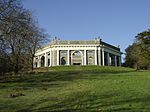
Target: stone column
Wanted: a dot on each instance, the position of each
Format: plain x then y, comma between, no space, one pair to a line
85,60
50,58
103,61
68,57
53,58
39,61
108,60
45,60
99,56
119,60
34,61
115,60
57,57
95,56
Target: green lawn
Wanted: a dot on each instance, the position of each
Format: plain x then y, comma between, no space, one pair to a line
77,89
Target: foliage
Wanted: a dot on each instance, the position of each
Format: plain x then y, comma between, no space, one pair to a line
144,41
138,54
77,90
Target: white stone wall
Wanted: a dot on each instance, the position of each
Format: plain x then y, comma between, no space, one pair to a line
54,54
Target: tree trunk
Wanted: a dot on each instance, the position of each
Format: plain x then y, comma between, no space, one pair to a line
16,69
32,62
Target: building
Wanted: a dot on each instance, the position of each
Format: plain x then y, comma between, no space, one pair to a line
88,52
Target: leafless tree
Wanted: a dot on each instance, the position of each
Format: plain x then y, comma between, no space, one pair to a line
19,34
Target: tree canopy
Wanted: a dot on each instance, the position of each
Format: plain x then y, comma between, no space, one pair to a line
138,54
20,36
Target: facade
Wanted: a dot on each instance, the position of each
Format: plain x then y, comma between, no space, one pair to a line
91,52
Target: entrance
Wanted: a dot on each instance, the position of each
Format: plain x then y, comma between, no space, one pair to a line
42,61
77,58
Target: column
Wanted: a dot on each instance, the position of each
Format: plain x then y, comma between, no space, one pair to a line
108,61
85,57
39,61
95,56
45,60
103,57
99,56
34,62
57,57
68,57
53,58
50,58
115,60
119,60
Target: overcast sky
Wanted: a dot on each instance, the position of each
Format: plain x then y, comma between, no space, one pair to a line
115,21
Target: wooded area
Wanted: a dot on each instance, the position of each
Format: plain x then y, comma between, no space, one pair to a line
20,36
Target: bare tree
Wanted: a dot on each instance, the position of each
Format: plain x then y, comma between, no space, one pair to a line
19,34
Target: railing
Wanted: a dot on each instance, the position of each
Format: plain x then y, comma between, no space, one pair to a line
58,42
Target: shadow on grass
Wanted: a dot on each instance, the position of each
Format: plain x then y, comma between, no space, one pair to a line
53,78
79,101
59,75
84,102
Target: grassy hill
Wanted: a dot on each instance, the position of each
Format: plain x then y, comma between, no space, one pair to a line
76,89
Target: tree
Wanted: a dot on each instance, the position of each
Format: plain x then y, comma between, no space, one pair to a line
35,39
143,39
6,7
19,35
132,56
138,54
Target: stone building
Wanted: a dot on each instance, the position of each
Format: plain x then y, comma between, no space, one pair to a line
88,52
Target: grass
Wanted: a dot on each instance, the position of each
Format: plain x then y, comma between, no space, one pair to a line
77,89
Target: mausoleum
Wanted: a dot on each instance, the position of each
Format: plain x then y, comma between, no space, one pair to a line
77,52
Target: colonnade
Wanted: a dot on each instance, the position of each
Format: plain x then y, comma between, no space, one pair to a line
48,59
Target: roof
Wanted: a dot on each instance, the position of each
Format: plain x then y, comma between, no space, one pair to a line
97,42
83,42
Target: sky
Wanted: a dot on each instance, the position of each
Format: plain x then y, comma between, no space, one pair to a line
117,22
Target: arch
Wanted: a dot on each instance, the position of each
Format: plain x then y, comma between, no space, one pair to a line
63,61
48,62
42,61
36,62
77,58
77,53
91,61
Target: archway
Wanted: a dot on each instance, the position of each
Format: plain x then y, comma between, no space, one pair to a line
63,61
36,63
42,61
48,62
90,61
77,58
